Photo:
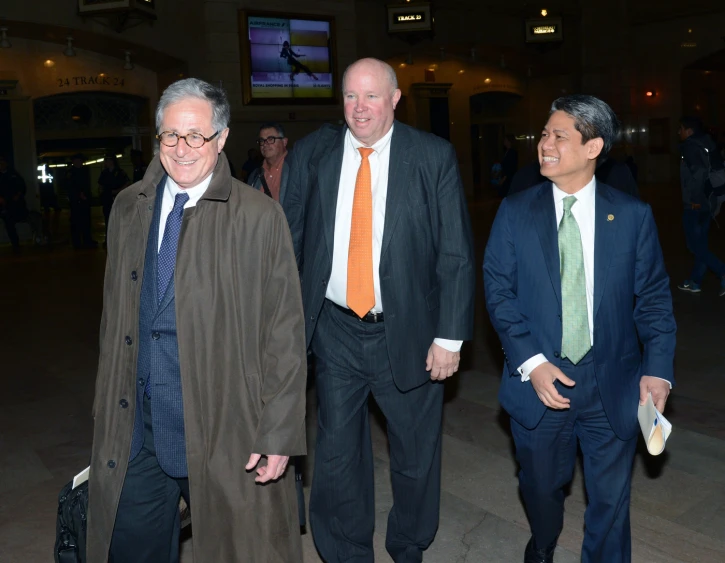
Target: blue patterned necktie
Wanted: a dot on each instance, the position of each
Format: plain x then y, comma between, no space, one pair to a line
575,341
167,254
169,244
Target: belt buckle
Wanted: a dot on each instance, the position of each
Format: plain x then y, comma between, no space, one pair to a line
374,316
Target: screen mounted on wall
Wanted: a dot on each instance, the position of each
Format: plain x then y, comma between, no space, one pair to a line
287,60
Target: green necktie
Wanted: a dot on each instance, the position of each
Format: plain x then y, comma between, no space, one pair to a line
575,341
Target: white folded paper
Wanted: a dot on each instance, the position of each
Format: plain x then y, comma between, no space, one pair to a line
655,427
82,477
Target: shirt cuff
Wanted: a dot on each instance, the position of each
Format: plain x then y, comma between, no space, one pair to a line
663,379
450,345
530,365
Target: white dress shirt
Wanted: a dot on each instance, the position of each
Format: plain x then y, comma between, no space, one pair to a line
171,189
583,211
379,166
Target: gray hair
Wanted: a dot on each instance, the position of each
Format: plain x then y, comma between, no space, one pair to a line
389,70
593,118
195,88
273,125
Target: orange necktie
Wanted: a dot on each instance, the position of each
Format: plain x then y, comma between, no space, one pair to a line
360,289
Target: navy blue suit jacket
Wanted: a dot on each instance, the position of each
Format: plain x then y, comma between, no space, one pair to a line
632,300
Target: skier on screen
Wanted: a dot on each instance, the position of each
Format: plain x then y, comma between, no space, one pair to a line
297,66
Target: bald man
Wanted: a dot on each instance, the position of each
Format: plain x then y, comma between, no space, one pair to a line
383,242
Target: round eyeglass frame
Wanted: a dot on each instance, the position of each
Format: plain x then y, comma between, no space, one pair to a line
205,139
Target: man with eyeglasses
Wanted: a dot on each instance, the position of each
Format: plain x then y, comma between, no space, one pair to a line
202,358
271,177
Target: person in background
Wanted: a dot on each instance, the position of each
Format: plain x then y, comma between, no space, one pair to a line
271,177
254,159
139,166
78,182
13,208
509,164
696,219
111,181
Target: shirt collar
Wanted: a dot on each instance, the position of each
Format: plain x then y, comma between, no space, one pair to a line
585,195
194,193
377,147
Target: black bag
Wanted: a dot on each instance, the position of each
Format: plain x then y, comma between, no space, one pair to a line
70,527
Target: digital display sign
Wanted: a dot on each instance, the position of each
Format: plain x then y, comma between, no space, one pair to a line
544,30
415,17
287,59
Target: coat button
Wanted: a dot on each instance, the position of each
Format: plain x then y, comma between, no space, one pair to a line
129,341
312,319
556,354
111,463
123,403
134,275
141,381
324,282
155,335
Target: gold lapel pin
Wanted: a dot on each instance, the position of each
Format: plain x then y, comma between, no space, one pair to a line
610,217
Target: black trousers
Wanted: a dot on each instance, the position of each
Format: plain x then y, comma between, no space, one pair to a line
352,362
80,224
147,522
10,222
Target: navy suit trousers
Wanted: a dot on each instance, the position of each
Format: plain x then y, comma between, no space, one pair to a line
147,522
353,362
547,457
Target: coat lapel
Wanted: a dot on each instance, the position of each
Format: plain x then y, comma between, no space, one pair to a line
401,158
544,213
328,180
604,234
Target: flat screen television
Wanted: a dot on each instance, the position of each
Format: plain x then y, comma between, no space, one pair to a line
287,59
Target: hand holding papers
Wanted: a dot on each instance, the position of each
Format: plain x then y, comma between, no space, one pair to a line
655,427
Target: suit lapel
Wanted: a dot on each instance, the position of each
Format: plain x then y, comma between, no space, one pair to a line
328,180
544,213
604,234
400,165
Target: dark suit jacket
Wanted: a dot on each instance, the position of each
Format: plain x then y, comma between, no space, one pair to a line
427,278
632,301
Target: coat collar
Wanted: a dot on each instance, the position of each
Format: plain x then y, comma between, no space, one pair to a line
544,213
330,168
219,189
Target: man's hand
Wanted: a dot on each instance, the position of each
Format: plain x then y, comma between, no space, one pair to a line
441,363
659,388
543,378
275,468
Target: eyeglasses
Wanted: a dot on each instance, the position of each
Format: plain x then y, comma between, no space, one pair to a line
192,140
268,141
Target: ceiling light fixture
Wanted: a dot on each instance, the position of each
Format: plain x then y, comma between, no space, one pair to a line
69,50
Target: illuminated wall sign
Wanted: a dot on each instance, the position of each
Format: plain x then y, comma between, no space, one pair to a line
416,17
412,16
90,81
544,30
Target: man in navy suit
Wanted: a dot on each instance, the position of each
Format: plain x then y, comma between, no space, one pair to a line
402,341
575,282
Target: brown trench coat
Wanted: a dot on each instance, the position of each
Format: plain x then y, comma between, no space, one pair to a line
243,367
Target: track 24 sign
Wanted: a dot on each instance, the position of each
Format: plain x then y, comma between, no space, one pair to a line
90,81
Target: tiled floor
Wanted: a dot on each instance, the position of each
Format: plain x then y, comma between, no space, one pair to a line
49,314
